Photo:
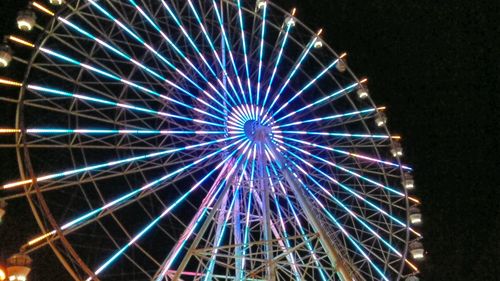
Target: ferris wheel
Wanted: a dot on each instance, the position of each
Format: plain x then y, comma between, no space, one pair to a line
201,140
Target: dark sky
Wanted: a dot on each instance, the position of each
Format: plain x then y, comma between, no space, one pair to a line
435,65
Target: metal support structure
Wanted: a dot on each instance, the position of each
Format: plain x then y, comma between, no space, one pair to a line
335,258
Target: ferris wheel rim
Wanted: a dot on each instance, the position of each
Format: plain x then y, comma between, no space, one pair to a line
20,122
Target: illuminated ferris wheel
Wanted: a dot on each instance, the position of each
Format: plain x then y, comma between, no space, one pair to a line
201,140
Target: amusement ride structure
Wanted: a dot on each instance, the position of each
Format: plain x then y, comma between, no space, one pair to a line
200,140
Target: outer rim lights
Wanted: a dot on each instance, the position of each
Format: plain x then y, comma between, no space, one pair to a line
26,20
5,55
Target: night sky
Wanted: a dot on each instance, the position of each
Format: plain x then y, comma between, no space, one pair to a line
435,65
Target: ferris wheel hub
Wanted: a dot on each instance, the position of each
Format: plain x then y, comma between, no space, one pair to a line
257,132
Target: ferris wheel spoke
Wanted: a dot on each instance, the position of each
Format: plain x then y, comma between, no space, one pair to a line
72,227
218,238
322,100
390,189
289,22
261,52
147,69
245,55
212,47
113,163
349,190
246,232
356,216
114,77
88,86
307,86
100,176
298,224
127,198
146,229
117,104
156,27
368,112
176,250
164,269
229,48
357,244
108,131
283,227
346,153
202,211
335,134
291,74
103,141
315,220
61,70
54,107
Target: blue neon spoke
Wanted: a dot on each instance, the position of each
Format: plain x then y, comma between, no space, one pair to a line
246,235
343,152
334,220
229,49
390,189
340,203
351,191
130,83
166,268
297,220
331,117
282,224
240,15
307,86
353,241
355,216
176,49
123,105
131,159
276,65
333,134
170,261
123,131
151,184
214,51
147,69
261,53
200,54
317,102
224,225
157,219
291,75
